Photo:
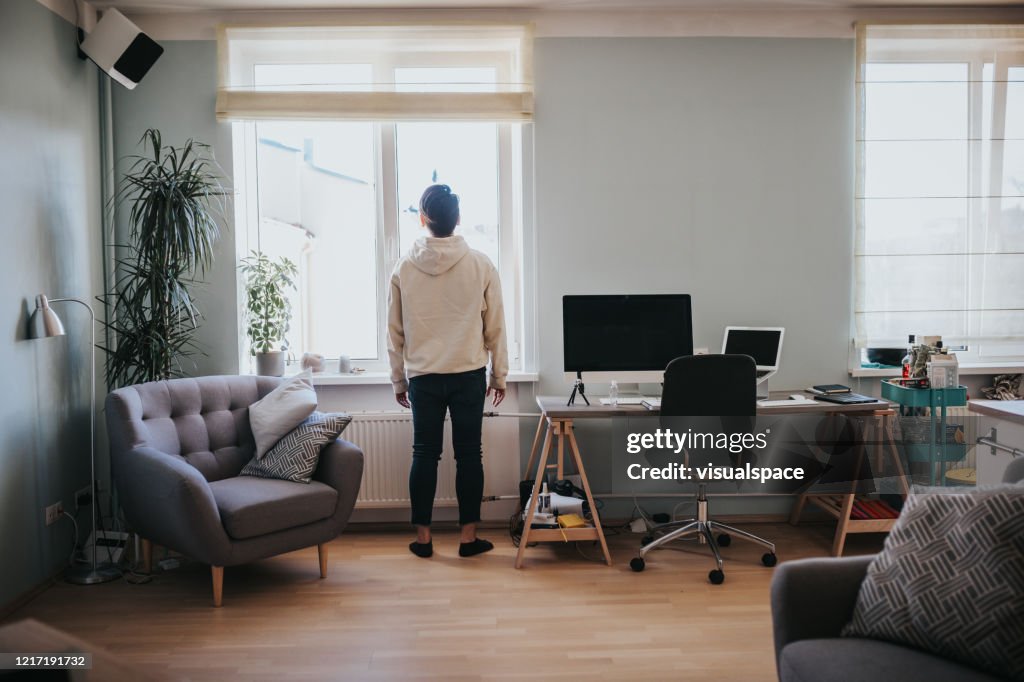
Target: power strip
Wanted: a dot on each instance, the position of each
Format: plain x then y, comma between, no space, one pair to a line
111,546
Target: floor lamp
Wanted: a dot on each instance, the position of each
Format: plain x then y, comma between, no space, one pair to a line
45,323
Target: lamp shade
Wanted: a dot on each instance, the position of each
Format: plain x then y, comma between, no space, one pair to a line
44,322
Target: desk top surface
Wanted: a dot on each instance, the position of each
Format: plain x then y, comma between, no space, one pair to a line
1011,410
554,406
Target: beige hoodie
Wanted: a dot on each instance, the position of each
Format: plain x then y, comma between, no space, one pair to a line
445,313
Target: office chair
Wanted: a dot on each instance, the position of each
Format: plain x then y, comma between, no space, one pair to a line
723,387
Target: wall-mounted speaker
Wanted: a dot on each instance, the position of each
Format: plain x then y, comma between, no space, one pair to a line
121,49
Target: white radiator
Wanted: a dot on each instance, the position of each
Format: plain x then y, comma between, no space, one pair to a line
386,442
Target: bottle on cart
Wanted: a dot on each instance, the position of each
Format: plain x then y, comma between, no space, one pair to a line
908,359
613,393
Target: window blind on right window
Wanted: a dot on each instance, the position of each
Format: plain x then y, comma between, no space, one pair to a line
940,187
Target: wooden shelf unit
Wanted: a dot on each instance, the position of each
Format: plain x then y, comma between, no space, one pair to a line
840,505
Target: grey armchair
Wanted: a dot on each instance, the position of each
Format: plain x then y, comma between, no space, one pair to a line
812,599
176,449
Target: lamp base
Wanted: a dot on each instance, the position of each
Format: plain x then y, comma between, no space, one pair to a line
87,575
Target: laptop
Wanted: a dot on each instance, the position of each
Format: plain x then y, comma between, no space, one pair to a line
764,344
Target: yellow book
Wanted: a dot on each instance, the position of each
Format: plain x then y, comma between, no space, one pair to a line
571,521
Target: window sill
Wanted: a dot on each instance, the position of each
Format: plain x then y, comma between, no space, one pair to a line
384,379
968,369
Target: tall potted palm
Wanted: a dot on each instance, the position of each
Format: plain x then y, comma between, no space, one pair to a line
174,198
268,311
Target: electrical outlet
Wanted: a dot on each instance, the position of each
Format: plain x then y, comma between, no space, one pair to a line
53,512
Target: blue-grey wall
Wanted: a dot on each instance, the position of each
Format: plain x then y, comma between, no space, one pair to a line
50,226
177,98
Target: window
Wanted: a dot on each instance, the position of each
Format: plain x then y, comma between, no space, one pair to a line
940,188
333,182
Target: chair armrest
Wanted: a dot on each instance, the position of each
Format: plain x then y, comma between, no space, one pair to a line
814,598
341,467
168,501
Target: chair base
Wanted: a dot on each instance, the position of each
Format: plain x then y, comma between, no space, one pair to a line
705,528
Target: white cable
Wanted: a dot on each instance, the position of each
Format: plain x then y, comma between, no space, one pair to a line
74,544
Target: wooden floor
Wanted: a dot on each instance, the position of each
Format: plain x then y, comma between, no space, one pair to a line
384,614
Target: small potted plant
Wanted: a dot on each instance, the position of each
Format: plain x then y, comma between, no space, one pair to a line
268,310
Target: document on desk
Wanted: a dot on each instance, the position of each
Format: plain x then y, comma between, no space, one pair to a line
788,402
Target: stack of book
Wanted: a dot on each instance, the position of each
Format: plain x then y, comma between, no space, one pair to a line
872,509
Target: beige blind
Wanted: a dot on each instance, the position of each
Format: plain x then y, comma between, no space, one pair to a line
940,186
378,73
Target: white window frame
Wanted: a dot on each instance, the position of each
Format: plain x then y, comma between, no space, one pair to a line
512,141
975,61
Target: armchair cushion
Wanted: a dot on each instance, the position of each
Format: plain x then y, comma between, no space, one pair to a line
868,660
295,457
281,410
950,580
250,506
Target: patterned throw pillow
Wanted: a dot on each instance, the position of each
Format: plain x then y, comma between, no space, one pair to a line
950,580
295,456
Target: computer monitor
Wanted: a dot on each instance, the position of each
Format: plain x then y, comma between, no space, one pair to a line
764,344
625,337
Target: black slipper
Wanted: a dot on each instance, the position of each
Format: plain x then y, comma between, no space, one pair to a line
424,550
478,546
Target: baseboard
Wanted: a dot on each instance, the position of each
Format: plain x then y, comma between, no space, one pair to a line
398,527
8,609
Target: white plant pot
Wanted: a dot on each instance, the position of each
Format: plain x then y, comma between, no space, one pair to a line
270,364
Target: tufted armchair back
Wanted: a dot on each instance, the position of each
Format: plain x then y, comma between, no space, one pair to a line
204,421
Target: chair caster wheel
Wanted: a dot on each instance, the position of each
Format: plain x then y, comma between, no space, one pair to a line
769,559
646,540
716,577
637,564
724,540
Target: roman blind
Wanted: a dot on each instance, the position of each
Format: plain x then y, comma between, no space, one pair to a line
939,246
376,73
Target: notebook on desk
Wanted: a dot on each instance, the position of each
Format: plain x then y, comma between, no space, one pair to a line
846,398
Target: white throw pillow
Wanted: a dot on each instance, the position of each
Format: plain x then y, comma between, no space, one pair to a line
281,410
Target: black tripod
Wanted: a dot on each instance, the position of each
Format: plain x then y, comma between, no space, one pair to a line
578,387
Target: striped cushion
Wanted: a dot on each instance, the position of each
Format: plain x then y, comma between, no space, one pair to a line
950,580
295,456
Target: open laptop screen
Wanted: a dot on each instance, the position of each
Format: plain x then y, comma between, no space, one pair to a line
761,344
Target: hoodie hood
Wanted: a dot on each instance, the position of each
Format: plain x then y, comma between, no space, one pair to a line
437,255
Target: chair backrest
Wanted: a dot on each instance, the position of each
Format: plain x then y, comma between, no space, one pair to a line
710,386
204,420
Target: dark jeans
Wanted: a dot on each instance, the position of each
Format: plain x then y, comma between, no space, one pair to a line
431,396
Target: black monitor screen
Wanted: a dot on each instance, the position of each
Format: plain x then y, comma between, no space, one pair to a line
760,344
634,333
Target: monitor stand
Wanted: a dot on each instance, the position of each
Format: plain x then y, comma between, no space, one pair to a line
630,389
578,387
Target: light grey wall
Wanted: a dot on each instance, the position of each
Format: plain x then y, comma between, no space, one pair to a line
50,222
717,167
721,168
177,97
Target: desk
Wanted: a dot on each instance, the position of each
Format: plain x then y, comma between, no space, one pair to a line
556,422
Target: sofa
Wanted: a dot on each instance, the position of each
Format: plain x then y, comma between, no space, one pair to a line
812,599
177,447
